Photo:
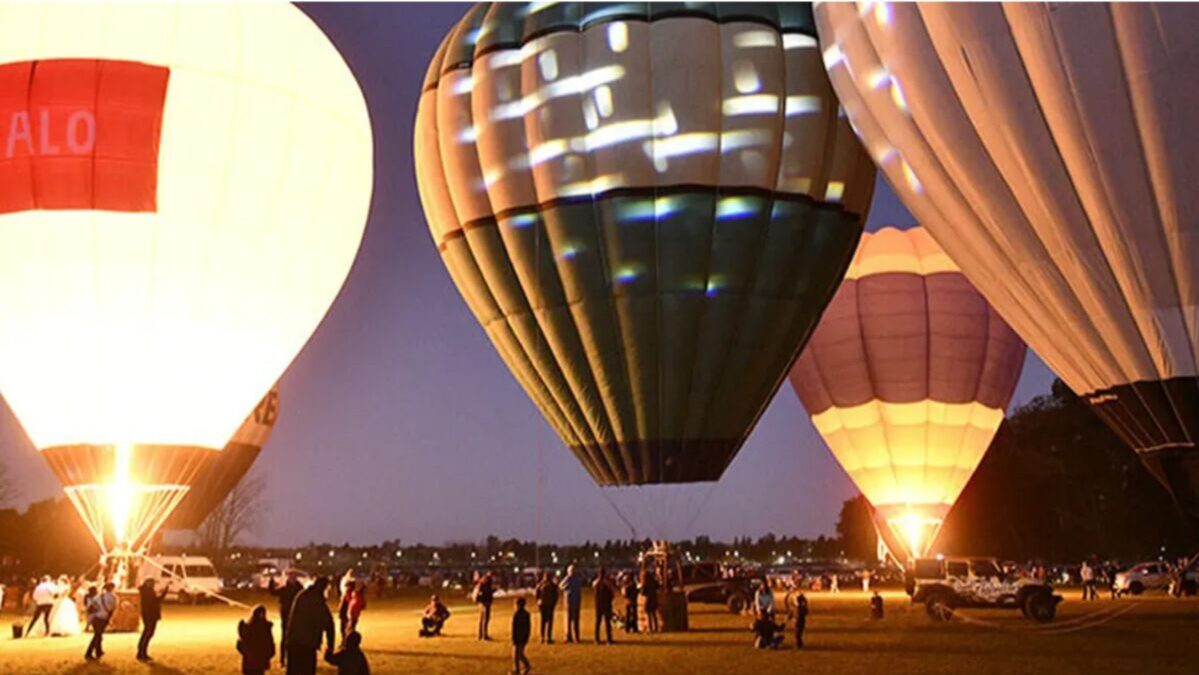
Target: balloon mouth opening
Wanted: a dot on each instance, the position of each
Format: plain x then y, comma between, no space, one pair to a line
124,492
915,531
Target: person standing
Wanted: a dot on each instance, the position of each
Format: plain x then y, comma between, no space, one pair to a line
1087,574
572,586
547,602
310,621
151,614
99,611
287,597
605,593
521,632
876,606
801,619
256,643
649,591
357,604
764,599
630,591
484,596
43,601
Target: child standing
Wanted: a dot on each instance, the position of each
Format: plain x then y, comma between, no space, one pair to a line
522,628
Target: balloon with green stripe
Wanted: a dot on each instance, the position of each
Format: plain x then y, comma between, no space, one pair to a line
646,207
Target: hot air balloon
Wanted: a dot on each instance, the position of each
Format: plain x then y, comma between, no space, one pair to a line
221,474
906,378
646,207
1049,149
183,189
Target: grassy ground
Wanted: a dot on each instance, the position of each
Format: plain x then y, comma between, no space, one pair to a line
1152,634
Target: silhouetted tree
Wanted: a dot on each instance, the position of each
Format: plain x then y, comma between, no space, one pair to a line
240,513
1057,484
855,529
8,487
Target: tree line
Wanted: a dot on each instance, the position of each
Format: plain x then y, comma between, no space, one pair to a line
1056,485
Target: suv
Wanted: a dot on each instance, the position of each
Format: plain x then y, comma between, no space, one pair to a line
1156,575
944,584
707,583
188,578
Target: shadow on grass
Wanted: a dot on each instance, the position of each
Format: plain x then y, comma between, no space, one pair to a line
437,655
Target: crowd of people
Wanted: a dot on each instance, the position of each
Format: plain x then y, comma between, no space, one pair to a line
308,629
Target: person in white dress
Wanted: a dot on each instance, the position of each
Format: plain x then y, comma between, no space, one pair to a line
64,618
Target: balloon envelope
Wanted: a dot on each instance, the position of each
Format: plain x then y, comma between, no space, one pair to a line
1050,149
907,378
183,188
646,207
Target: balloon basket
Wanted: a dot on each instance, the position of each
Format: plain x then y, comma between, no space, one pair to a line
674,612
128,617
672,600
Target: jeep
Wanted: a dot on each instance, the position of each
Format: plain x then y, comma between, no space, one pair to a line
944,584
708,583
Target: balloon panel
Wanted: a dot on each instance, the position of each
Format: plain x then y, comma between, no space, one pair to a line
190,205
635,240
217,478
80,134
1047,147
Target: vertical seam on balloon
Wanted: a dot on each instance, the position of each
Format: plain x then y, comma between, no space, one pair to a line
704,433
928,365
1067,287
1159,232
617,414
976,399
600,417
611,411
810,221
535,383
659,342
877,400
1123,300
1079,369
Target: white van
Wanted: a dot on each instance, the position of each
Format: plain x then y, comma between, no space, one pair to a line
189,578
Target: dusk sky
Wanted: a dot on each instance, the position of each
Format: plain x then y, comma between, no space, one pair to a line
399,420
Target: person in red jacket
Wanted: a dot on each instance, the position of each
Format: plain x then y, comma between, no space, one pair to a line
357,603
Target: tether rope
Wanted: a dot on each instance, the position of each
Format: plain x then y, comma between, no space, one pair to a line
192,589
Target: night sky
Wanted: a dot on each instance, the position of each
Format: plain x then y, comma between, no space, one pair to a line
400,421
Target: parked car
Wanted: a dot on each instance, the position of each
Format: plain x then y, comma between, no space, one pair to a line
188,578
262,579
1152,576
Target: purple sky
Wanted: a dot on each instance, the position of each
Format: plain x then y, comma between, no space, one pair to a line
399,420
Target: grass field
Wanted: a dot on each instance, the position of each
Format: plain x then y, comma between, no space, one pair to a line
1151,634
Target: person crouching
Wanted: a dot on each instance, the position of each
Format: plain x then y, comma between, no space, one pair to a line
767,633
434,618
